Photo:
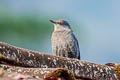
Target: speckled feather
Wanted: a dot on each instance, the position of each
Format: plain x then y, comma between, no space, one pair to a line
65,44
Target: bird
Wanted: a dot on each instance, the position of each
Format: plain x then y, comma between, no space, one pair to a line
63,41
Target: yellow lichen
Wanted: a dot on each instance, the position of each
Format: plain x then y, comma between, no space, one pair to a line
1,56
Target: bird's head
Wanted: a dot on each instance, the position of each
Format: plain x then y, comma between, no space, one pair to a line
60,25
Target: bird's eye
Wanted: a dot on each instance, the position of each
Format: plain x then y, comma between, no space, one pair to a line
60,24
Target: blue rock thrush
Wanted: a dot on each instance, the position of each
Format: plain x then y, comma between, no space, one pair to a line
64,42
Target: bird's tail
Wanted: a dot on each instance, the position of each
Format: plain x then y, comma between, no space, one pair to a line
79,57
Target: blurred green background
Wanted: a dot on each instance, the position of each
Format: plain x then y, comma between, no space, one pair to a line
95,23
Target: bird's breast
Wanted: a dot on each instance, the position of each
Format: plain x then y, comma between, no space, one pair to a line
60,36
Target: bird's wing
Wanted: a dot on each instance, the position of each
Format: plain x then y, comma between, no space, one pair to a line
75,49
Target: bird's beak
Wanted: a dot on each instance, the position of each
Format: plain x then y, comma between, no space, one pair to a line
52,21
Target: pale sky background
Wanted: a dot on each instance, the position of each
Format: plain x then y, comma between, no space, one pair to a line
96,23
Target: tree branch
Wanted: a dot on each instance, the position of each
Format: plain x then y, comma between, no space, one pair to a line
40,73
26,58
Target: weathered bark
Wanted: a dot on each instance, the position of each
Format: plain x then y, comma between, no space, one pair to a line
40,73
27,58
8,74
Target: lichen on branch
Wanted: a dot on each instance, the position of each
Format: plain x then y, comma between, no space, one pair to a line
27,58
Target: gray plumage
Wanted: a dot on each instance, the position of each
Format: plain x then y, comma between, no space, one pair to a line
64,42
